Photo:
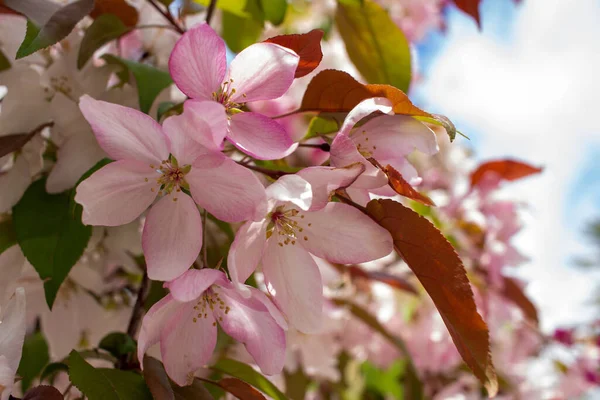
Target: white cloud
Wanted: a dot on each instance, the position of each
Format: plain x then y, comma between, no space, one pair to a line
533,97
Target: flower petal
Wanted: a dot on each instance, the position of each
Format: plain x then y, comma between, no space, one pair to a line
172,236
7,379
153,323
259,136
187,343
198,62
344,153
117,193
364,109
394,136
325,180
294,280
292,188
202,126
12,329
11,265
356,238
262,71
246,251
192,283
230,192
248,321
125,133
13,183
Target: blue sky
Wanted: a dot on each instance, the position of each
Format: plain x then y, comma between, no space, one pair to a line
525,86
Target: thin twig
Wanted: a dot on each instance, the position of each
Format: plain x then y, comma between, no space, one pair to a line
344,198
136,315
272,173
167,15
288,114
210,11
321,146
204,246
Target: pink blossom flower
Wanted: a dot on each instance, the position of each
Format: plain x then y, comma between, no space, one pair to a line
12,335
185,324
263,71
301,222
154,161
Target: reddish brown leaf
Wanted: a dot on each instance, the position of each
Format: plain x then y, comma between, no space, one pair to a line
307,46
10,143
383,277
125,12
470,7
513,292
43,393
241,389
403,188
435,262
336,91
509,170
5,10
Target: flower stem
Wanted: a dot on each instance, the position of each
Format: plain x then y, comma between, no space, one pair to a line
272,173
136,316
167,15
210,11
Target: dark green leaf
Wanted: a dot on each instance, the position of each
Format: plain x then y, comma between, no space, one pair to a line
385,381
240,32
248,374
167,109
50,234
296,384
43,393
104,383
105,28
34,359
117,344
52,369
56,28
157,292
8,237
274,10
375,44
4,63
150,80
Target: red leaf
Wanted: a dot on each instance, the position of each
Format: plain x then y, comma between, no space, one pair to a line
435,262
336,91
509,170
307,46
125,12
43,393
513,292
403,188
241,389
470,7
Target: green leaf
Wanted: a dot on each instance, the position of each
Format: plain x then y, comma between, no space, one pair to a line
274,10
56,28
150,80
104,383
105,28
249,375
8,238
375,44
50,234
236,7
321,126
34,359
52,369
118,344
4,63
240,32
167,109
385,381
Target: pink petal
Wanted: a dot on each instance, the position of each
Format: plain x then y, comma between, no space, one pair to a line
154,322
325,180
201,127
356,238
117,193
294,280
192,283
246,251
344,153
12,261
364,109
198,62
125,133
395,136
13,183
263,71
7,379
248,321
268,303
12,329
172,236
187,343
230,192
293,189
259,136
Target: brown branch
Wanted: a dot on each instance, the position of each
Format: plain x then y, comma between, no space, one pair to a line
272,173
210,11
168,16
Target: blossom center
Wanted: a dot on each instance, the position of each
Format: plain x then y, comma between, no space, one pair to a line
224,96
172,176
210,302
288,226
363,146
